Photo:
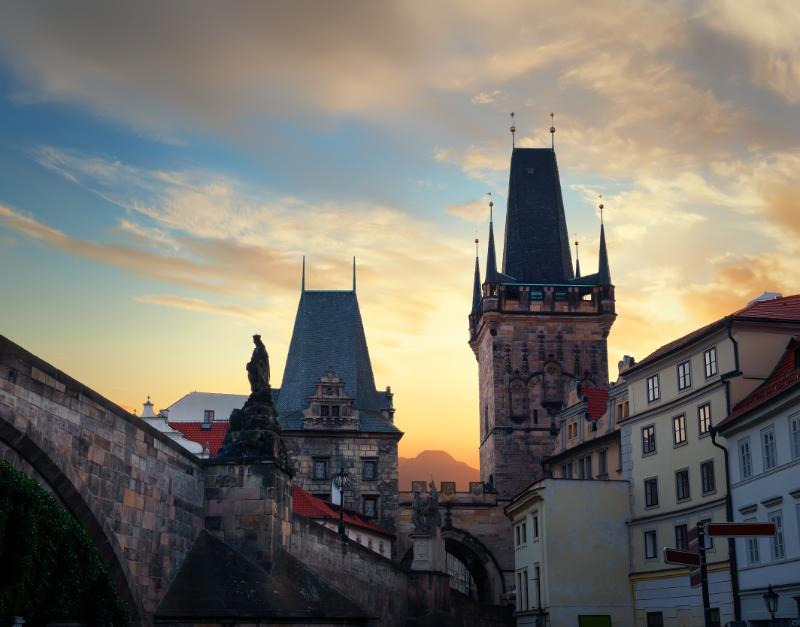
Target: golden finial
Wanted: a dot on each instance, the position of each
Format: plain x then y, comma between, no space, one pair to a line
600,196
552,132
491,205
476,246
513,130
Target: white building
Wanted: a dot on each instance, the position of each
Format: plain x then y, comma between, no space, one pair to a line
159,421
206,407
571,553
762,435
676,473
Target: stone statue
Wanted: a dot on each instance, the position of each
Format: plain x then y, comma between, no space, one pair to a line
258,367
425,516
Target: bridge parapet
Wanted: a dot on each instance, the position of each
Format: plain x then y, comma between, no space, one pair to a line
138,494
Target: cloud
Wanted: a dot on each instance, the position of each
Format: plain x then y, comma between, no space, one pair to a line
476,211
197,304
486,97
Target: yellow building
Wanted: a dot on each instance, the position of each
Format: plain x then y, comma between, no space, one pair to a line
677,474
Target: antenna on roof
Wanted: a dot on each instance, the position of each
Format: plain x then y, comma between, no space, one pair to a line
303,276
513,130
354,274
552,132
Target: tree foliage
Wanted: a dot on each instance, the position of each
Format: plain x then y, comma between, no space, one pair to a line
50,570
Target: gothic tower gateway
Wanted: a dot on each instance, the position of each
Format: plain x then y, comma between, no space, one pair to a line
535,327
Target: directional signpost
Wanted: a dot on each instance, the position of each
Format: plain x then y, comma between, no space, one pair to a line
695,557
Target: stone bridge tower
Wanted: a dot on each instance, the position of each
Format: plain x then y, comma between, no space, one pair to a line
536,327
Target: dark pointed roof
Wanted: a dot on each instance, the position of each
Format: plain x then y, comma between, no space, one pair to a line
476,287
536,245
604,271
491,257
328,333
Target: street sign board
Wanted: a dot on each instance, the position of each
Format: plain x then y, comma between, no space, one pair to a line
740,530
684,558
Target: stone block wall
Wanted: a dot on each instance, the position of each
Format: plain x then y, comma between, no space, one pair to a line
349,452
138,494
373,582
248,506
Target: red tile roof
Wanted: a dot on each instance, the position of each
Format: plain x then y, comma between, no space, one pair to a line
787,308
597,401
308,506
194,431
785,376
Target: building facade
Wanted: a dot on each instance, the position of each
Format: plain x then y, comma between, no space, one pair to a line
676,473
571,553
762,435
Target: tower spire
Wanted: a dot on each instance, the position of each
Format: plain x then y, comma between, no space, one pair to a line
552,132
476,284
303,276
491,257
577,262
354,274
513,130
604,271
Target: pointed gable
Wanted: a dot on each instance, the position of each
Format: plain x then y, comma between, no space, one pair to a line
536,244
328,333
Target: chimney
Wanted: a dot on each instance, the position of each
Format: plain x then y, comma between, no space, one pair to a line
626,363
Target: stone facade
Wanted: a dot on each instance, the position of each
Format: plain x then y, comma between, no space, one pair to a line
138,494
353,451
529,351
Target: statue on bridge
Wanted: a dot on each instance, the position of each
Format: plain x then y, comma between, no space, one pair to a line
258,367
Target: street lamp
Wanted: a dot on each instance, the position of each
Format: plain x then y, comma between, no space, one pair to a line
771,601
341,480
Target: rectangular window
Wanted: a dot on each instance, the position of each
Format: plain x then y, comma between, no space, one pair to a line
370,470
650,550
569,470
714,616
745,459
525,589
648,439
519,591
524,533
535,527
753,555
682,485
335,411
651,492
707,477
682,537
370,506
581,469
769,454
324,411
563,471
517,536
208,415
653,392
679,430
704,418
684,375
537,586
588,463
320,468
710,360
602,463
655,619
794,434
778,551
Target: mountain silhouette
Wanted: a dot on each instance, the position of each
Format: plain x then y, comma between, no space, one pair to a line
437,464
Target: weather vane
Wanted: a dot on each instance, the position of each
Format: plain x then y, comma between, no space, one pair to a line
513,130
552,132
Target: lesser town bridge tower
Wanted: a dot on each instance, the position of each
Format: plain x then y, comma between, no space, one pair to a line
536,327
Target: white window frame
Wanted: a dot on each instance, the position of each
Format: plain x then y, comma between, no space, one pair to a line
752,550
710,362
679,430
653,388
651,481
713,477
684,375
794,435
745,458
678,497
654,449
769,448
702,420
777,542
645,535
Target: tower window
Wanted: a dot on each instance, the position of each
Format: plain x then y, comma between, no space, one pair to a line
324,410
370,470
320,468
370,506
335,411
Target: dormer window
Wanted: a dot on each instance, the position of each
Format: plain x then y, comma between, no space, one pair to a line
208,415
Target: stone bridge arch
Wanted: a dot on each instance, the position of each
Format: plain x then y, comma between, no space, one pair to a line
481,564
138,494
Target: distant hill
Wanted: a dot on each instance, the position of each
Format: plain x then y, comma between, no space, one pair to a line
439,464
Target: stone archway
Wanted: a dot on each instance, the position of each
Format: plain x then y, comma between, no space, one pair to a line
41,468
479,561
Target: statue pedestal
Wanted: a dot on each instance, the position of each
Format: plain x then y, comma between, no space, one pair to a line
429,553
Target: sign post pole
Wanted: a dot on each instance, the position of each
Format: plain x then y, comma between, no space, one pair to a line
701,549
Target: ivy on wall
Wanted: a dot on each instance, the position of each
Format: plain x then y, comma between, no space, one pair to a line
50,570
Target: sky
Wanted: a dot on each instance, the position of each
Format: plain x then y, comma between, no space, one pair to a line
165,166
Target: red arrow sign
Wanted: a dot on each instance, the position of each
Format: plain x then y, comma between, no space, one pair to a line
740,529
684,558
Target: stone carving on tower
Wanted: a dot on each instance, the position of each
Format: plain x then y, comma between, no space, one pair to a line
535,327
